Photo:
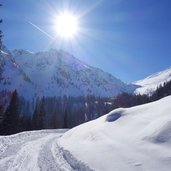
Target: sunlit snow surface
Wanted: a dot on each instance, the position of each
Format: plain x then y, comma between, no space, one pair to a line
133,139
150,84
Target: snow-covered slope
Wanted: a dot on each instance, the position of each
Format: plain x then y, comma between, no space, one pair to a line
12,76
149,84
132,139
56,73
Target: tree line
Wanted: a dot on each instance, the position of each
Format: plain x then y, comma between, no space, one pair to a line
50,112
66,112
130,100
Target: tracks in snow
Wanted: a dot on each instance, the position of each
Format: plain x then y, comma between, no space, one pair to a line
37,151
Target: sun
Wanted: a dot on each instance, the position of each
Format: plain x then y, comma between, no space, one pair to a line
66,25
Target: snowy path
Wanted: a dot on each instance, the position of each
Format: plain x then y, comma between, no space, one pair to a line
36,151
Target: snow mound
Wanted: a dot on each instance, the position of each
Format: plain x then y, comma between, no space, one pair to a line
132,139
150,84
163,135
114,115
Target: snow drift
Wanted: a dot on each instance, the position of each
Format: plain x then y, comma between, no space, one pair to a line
137,138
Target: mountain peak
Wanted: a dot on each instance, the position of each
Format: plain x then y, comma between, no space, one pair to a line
57,73
21,52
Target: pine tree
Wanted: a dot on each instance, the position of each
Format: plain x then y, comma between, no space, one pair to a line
38,119
1,115
10,124
1,34
66,120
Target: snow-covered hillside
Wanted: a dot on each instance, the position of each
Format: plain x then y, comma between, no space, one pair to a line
132,139
149,84
55,73
12,76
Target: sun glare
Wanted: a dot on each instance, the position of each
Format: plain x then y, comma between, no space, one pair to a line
66,25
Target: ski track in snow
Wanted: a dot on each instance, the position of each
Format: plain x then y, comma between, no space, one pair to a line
37,151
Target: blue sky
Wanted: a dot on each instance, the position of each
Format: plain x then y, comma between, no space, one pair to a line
127,38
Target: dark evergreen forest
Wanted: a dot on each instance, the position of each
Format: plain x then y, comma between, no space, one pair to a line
66,112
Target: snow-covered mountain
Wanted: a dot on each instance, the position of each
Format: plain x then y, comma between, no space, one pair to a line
55,73
132,139
150,84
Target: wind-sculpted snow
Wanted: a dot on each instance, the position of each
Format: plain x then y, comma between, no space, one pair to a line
162,135
37,151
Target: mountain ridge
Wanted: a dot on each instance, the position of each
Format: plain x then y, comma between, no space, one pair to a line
56,73
149,84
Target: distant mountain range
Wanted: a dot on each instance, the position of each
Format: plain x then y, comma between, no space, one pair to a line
55,73
58,73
